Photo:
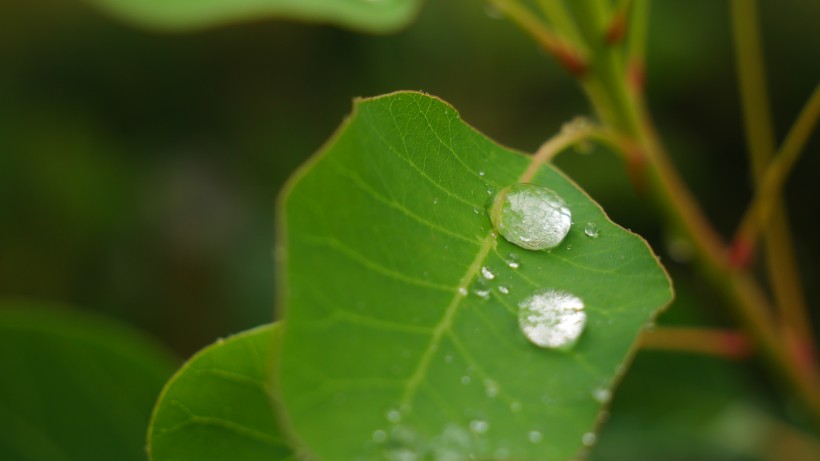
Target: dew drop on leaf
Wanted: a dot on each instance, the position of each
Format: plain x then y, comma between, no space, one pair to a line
531,216
379,436
393,415
478,426
487,273
589,439
552,319
591,230
503,290
535,436
602,394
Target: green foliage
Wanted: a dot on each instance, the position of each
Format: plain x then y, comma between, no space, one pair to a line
395,343
218,405
367,15
75,387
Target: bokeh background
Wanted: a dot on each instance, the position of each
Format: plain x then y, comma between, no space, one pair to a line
139,170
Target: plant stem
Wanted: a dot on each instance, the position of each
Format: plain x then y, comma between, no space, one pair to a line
721,343
768,194
557,14
781,262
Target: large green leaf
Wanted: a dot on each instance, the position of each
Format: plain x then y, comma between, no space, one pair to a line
367,15
383,355
74,386
218,406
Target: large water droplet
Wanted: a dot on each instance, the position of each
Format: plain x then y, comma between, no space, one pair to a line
591,230
552,319
531,216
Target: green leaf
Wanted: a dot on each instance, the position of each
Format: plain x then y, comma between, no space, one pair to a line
384,357
366,15
74,386
218,406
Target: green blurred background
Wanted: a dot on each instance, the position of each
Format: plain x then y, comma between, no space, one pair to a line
139,171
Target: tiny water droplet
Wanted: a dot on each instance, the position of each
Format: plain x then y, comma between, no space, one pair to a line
503,290
531,216
481,172
589,439
462,291
535,436
552,318
478,426
490,388
513,262
435,201
487,273
379,436
602,394
490,191
465,380
591,230
515,407
482,293
393,415
476,211
448,358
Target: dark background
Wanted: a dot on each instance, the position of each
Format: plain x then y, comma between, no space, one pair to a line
139,171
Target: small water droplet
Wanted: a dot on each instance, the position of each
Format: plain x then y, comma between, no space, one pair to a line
478,426
602,394
589,439
448,358
487,273
535,436
490,388
482,293
513,261
462,291
591,230
481,172
531,216
379,436
476,211
503,289
435,201
465,380
490,191
393,415
515,407
552,318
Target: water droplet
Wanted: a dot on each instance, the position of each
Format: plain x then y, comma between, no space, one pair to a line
379,436
591,230
481,172
531,216
482,293
552,319
490,388
435,201
503,289
478,426
513,261
535,436
393,415
487,273
465,379
462,291
602,394
589,439
515,407
490,191
476,211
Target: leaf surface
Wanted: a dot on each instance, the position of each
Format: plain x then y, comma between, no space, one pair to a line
74,386
366,15
396,345
218,405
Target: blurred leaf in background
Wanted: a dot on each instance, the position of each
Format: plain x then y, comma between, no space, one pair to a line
75,386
